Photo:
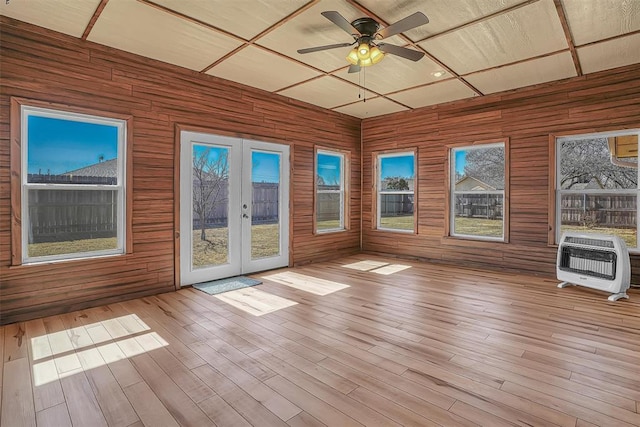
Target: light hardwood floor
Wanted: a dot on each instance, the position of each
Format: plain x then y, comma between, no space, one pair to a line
358,341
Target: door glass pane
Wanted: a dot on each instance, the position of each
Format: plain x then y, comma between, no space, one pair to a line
265,209
210,206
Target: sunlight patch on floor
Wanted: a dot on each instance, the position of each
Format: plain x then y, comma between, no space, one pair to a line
71,351
88,335
306,283
61,366
254,301
390,269
365,265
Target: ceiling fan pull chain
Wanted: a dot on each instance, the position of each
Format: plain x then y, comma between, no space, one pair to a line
364,84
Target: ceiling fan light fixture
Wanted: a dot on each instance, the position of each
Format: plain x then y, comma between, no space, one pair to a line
375,54
363,51
353,57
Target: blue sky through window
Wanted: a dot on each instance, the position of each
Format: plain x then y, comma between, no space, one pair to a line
58,145
401,166
461,161
265,167
329,168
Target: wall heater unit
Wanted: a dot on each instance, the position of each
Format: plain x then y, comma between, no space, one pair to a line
597,261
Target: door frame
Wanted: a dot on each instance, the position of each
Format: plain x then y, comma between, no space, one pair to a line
179,129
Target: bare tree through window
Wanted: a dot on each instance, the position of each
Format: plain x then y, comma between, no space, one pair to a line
210,185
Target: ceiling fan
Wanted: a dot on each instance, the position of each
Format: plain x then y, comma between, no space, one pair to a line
365,35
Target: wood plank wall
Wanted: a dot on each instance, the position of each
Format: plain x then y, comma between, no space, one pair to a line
598,102
48,66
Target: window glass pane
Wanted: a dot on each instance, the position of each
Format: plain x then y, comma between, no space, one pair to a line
62,151
603,213
479,169
478,191
71,221
586,164
330,192
396,211
396,192
396,173
478,214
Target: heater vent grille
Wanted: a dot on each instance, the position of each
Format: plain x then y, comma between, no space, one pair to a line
591,262
589,242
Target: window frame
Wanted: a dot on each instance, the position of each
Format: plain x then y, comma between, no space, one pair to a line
377,186
345,168
555,193
450,182
21,109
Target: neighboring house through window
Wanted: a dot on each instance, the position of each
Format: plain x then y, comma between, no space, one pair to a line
478,177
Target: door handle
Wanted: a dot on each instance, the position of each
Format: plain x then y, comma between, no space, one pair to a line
244,215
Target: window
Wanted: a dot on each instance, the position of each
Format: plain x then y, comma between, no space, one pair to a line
597,185
331,203
478,179
72,198
395,191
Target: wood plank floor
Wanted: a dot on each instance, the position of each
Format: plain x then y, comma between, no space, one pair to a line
358,341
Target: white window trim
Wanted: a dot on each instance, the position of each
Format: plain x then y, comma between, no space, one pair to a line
453,192
559,192
341,191
379,192
28,111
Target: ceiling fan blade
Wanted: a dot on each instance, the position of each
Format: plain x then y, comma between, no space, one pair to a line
340,21
319,48
404,24
354,68
411,54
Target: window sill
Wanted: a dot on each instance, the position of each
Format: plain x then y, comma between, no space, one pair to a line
322,232
80,260
391,230
470,242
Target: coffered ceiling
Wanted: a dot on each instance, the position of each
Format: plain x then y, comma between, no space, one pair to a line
472,47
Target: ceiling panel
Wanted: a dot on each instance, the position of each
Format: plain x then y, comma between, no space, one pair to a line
255,66
610,54
138,28
549,68
65,16
393,74
371,108
596,20
326,92
523,33
437,93
443,15
244,18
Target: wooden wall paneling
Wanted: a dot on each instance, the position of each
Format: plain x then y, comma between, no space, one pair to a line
593,103
43,65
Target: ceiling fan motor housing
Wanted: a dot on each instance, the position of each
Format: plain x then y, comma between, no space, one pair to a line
368,27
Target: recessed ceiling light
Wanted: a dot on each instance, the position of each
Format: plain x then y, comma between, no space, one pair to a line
438,73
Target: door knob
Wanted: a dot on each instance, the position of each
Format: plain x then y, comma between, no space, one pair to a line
244,215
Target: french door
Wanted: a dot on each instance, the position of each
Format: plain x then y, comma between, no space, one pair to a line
234,206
